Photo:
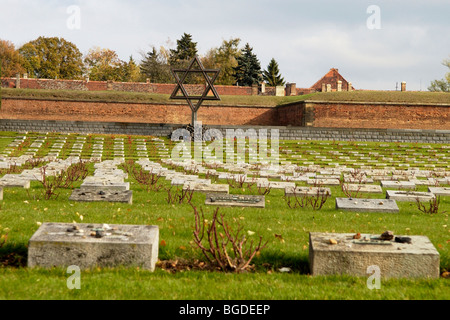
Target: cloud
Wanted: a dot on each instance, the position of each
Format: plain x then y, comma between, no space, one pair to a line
306,38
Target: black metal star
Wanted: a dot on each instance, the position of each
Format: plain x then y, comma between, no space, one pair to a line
209,86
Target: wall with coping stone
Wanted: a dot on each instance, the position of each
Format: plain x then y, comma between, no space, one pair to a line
286,133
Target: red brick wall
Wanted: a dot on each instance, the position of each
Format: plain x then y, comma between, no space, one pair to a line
382,116
315,114
133,112
161,88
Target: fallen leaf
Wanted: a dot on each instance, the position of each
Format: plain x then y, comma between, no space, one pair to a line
163,243
182,248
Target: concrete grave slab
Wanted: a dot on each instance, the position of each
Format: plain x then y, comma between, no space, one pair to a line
60,245
364,188
274,184
104,195
411,196
367,205
420,259
207,187
226,200
306,191
440,191
405,185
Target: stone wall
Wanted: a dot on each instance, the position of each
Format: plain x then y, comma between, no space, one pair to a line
286,133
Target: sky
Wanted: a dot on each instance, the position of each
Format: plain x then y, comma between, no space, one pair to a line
375,44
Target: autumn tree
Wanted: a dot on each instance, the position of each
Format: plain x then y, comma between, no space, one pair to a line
248,70
225,59
10,59
272,75
52,58
103,65
443,84
131,71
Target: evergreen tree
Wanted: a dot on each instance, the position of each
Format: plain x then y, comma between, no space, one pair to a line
155,67
272,75
185,51
248,70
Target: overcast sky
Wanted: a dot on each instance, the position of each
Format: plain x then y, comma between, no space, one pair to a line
405,40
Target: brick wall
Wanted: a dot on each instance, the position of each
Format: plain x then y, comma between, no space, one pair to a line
30,109
309,114
379,115
162,88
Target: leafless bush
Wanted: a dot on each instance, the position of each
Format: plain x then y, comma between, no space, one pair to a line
224,247
179,196
433,206
316,202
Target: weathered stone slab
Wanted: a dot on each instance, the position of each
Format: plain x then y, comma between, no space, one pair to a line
226,200
60,245
206,187
323,182
367,205
306,191
411,196
13,181
102,196
274,184
364,188
420,259
405,185
439,191
104,185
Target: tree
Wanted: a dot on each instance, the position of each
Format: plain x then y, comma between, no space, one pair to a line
104,65
154,66
52,58
185,51
225,59
248,70
272,74
443,84
131,71
10,59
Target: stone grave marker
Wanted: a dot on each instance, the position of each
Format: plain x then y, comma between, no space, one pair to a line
306,191
404,185
229,200
440,191
103,195
411,196
367,205
89,246
339,254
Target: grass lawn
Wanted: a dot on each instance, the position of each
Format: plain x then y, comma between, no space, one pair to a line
270,101
285,229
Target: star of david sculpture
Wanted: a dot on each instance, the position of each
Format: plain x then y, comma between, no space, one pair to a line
180,76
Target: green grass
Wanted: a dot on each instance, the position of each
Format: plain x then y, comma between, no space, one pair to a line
21,213
266,101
